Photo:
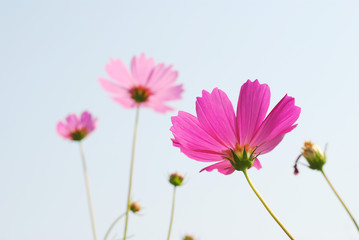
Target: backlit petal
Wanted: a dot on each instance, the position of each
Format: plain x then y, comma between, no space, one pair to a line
280,120
141,68
62,130
224,167
257,164
193,140
216,115
253,103
111,87
161,78
271,144
118,71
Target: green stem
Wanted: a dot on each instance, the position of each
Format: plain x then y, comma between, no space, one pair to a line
340,199
172,212
89,198
266,206
113,225
131,170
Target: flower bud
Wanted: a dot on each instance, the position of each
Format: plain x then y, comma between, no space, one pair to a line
135,207
176,179
188,237
314,156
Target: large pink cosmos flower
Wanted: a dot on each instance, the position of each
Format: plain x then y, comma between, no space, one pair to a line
234,141
148,85
76,128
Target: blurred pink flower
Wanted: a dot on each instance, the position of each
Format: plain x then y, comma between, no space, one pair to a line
234,141
75,128
148,85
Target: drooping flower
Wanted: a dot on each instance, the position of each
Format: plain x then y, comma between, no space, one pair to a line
75,128
314,156
148,85
232,140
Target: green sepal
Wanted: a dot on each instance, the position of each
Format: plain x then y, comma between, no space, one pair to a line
243,162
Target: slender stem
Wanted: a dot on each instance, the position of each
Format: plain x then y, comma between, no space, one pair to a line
340,199
131,170
113,225
266,206
89,198
172,212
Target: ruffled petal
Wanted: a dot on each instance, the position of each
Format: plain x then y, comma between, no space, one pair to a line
253,103
280,120
216,115
224,167
118,71
142,68
193,140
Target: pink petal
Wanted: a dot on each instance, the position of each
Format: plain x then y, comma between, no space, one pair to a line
280,120
62,130
253,103
271,144
141,69
193,140
72,122
126,101
257,164
88,122
168,94
118,71
157,105
161,77
224,167
112,87
216,115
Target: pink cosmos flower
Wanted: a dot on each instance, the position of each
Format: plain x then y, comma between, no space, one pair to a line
148,85
75,128
232,140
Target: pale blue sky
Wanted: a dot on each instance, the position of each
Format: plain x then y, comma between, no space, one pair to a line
52,53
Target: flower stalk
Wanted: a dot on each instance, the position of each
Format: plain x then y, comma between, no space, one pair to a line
113,225
89,198
340,199
172,212
266,206
131,170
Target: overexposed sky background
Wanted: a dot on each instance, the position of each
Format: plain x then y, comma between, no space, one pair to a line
51,55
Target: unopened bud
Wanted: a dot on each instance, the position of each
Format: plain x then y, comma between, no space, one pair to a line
314,156
188,237
176,179
135,207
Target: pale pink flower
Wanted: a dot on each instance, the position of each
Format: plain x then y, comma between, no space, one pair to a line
147,85
232,140
75,128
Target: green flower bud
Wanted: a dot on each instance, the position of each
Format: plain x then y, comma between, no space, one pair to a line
135,207
188,237
176,179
